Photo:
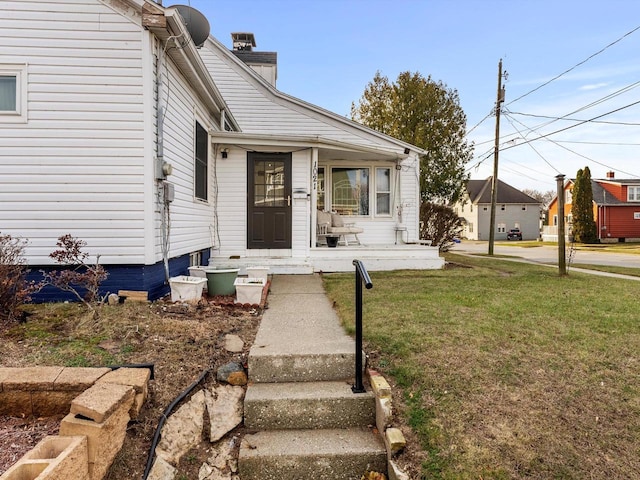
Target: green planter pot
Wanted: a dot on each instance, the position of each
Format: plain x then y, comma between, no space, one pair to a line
220,280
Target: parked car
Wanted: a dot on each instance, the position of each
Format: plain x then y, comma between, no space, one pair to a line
514,234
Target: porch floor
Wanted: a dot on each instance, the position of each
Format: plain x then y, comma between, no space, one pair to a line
340,259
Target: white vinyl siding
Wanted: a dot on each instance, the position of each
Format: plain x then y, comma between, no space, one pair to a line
258,110
192,220
77,166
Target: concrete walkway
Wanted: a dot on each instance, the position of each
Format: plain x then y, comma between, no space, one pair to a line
309,423
300,320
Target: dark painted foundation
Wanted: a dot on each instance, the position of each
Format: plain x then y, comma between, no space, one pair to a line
149,278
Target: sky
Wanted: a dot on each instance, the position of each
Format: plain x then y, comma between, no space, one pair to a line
329,50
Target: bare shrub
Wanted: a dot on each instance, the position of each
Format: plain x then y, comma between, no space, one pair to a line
440,224
81,279
15,290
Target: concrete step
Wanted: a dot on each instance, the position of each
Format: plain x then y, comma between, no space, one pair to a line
272,406
311,454
334,363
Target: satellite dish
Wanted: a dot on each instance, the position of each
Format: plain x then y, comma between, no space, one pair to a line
197,24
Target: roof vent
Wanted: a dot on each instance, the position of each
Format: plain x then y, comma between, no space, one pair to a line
243,41
196,22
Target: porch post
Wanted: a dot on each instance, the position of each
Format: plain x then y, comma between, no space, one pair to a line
313,214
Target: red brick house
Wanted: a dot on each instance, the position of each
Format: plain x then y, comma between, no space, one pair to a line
616,209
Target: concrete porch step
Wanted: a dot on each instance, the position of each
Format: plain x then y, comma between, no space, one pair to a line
334,362
311,454
272,406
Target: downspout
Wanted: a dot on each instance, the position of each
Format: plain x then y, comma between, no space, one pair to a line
161,170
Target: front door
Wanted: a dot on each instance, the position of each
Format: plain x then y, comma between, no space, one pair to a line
269,200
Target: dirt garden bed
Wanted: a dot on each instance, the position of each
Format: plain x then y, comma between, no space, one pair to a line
181,341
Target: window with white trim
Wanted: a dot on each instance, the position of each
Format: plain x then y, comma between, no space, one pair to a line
201,164
13,93
350,190
383,191
633,193
502,228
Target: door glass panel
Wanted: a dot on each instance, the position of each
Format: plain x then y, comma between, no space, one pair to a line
269,184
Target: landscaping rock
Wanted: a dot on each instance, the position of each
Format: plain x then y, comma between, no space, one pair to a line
162,470
233,343
395,472
183,430
225,407
221,465
232,373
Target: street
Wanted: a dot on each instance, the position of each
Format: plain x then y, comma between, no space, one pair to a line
548,254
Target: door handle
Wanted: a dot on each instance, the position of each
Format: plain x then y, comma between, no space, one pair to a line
288,200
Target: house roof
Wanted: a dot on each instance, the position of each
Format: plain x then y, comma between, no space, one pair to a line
602,197
296,105
268,58
480,192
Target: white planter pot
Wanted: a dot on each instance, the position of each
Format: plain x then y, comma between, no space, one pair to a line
186,289
199,272
258,272
249,290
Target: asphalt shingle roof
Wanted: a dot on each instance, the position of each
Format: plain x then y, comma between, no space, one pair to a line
480,192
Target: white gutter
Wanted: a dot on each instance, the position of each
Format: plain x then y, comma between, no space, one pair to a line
185,55
298,141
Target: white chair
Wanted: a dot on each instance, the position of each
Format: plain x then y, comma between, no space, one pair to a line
333,225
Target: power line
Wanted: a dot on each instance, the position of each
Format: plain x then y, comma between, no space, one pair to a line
572,119
478,124
569,150
573,126
531,146
592,160
615,144
575,66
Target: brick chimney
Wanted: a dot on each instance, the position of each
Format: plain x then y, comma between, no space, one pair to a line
264,64
611,174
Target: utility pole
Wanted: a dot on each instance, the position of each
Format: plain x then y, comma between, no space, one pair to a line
562,260
494,179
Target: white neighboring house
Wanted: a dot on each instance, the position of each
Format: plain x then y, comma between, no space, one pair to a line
116,129
514,209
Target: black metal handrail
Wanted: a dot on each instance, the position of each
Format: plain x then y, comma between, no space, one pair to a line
362,277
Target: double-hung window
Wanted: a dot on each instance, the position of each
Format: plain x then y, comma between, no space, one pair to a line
633,193
361,191
13,93
201,163
383,191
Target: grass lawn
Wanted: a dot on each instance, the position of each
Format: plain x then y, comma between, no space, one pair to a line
628,248
507,370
